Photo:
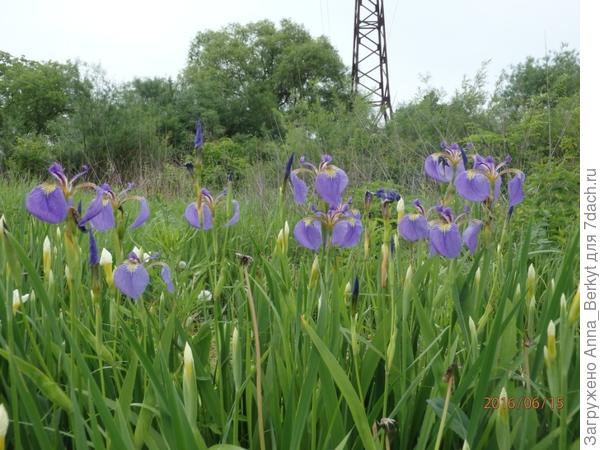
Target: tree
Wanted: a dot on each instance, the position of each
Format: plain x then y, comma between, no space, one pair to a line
245,73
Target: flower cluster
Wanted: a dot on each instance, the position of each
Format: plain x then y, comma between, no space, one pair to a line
336,223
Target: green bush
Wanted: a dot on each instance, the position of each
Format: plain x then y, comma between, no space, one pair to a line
31,155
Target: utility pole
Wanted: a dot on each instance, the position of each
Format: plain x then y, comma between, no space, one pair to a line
369,56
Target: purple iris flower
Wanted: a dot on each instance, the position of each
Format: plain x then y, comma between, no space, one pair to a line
342,223
471,234
199,138
94,258
414,227
476,184
444,237
132,278
101,212
50,202
387,195
445,165
330,181
200,213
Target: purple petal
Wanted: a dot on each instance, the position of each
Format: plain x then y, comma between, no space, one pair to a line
515,189
330,184
191,215
346,233
57,172
143,214
308,234
95,207
472,185
438,168
47,202
445,240
94,259
413,227
236,213
206,217
165,274
300,188
471,235
497,186
131,279
105,219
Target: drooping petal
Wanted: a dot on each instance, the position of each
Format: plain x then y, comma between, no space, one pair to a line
131,279
472,185
236,213
515,189
95,208
438,168
94,259
471,234
143,214
497,186
165,274
445,240
308,234
47,202
346,233
105,219
330,184
57,172
299,187
191,215
413,227
206,217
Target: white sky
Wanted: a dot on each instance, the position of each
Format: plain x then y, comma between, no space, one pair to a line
445,39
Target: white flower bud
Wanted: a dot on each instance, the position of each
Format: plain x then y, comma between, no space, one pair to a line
46,256
4,420
105,258
2,225
182,265
205,296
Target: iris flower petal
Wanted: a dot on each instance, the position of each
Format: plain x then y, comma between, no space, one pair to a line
131,279
330,184
105,219
165,274
413,227
346,233
94,209
471,234
206,217
300,188
236,214
47,202
308,234
445,240
191,215
515,189
438,169
143,214
472,185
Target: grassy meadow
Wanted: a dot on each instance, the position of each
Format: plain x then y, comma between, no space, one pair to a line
359,348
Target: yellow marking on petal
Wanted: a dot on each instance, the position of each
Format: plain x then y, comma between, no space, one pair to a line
444,227
330,171
471,174
132,267
413,216
48,188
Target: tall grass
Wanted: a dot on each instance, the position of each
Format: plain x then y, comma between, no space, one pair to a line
409,363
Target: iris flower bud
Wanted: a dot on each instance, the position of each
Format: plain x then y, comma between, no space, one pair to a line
236,359
385,257
46,256
551,340
503,405
4,422
531,281
2,225
478,276
106,262
574,309
400,209
190,390
314,273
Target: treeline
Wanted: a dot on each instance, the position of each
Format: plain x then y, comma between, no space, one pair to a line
263,91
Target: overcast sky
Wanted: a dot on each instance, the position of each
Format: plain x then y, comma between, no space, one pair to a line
444,39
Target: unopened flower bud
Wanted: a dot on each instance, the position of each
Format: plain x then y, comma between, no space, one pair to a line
190,390
503,405
106,262
348,290
531,281
472,327
236,359
286,236
46,256
551,340
385,256
552,285
2,225
409,275
314,273
574,309
478,276
205,296
4,421
400,209
181,265
563,303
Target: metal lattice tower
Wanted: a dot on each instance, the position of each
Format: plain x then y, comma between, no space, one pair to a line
369,56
